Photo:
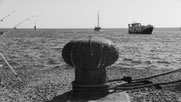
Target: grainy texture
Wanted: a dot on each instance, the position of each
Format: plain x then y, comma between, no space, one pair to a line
36,56
89,57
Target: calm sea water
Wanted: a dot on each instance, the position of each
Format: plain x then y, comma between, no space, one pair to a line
41,49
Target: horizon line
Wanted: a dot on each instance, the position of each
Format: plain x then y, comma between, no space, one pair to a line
77,28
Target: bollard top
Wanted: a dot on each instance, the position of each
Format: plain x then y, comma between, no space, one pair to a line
90,53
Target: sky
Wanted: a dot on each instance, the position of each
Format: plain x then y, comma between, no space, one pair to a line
83,13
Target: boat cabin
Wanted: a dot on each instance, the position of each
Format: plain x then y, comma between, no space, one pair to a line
134,25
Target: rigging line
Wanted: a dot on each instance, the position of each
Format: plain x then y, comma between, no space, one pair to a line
35,20
6,16
16,75
19,24
24,21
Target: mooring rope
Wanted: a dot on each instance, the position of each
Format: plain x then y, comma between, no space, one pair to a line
146,78
141,82
123,87
128,84
162,74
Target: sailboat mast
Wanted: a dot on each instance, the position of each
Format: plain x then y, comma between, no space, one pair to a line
35,25
98,20
97,28
35,22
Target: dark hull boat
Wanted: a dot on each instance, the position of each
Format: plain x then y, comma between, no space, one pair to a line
97,29
137,28
34,27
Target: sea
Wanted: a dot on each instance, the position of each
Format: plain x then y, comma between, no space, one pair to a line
42,48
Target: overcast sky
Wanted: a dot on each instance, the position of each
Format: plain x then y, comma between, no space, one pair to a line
83,13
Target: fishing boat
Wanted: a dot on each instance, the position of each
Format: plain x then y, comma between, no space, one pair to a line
137,28
98,28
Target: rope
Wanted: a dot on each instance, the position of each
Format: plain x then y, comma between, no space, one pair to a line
16,75
127,86
146,78
162,74
4,47
19,24
130,84
142,82
6,16
120,87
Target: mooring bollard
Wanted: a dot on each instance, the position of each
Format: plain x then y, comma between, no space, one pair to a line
90,57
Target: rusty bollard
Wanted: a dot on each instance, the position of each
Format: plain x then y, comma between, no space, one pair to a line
90,57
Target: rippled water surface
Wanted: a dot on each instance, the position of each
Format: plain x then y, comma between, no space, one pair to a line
41,49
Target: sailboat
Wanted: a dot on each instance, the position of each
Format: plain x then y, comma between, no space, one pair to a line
98,28
35,27
35,24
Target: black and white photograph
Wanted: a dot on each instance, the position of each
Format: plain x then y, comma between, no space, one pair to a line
90,50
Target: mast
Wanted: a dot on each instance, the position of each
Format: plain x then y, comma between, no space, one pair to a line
98,19
97,28
35,25
35,22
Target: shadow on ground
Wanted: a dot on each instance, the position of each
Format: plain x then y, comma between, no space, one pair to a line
78,97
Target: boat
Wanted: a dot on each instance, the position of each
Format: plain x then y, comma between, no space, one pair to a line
35,27
35,24
137,28
98,28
